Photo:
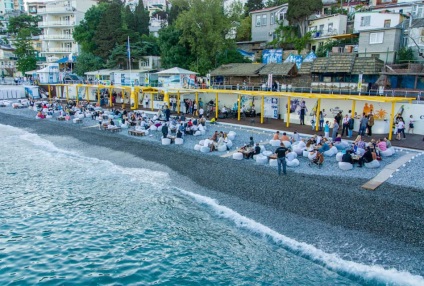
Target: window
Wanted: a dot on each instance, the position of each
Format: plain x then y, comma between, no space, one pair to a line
264,20
387,23
376,38
365,21
258,21
272,19
313,29
321,28
330,27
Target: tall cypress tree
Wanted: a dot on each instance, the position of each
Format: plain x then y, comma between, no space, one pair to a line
142,18
109,31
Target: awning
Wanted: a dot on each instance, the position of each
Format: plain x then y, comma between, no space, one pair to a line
345,36
65,60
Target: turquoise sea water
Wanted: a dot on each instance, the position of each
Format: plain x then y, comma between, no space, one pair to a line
71,219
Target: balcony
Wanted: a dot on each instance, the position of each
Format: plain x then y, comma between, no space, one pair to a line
57,37
56,10
324,34
56,24
59,50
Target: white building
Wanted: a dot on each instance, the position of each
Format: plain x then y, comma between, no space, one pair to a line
58,21
376,20
325,27
266,21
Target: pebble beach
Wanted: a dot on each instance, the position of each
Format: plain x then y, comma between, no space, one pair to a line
393,214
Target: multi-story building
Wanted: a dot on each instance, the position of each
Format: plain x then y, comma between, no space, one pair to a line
376,20
58,21
7,60
324,28
266,21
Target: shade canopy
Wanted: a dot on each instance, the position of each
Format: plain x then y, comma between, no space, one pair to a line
175,70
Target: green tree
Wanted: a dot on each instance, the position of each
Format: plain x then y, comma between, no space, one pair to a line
172,51
289,38
299,11
141,16
87,62
177,7
244,30
404,55
204,28
253,5
110,30
24,51
84,33
27,22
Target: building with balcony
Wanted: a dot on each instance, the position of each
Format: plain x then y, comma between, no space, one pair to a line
10,9
7,60
324,28
58,21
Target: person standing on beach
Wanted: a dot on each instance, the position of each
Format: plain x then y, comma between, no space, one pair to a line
351,126
370,124
281,158
345,123
321,119
327,129
335,129
302,112
363,123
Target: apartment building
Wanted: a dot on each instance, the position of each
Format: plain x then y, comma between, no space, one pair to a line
58,21
266,21
9,9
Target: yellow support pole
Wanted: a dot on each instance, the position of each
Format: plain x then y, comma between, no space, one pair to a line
50,94
238,107
67,93
123,98
151,100
197,101
86,94
110,97
392,117
317,115
77,96
288,111
216,105
98,95
262,109
166,98
178,101
353,108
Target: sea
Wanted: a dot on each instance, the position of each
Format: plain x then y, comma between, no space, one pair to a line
69,218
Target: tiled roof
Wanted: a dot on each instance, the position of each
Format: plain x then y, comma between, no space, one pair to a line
367,65
279,69
335,63
243,69
305,68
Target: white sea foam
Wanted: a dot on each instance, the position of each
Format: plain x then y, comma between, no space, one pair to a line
49,149
328,260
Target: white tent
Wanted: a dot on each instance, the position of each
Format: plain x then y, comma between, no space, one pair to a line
175,70
176,78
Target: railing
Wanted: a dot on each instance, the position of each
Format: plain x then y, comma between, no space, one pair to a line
62,9
56,23
410,94
56,37
59,50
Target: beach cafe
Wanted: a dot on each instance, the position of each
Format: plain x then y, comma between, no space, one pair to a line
267,104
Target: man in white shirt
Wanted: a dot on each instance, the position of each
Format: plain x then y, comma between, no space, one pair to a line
201,112
224,112
345,125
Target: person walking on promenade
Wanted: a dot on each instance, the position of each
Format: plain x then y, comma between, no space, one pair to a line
345,124
363,125
281,158
321,119
411,124
401,129
351,126
302,112
335,130
370,124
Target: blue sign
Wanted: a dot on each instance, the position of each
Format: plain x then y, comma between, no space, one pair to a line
274,56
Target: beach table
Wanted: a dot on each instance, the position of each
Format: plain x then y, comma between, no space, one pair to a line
61,118
136,132
172,138
114,129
